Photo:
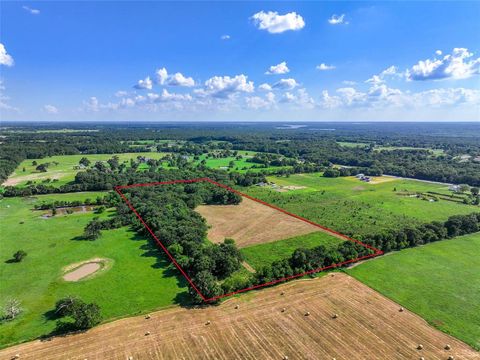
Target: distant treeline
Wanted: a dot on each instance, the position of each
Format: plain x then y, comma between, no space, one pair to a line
311,148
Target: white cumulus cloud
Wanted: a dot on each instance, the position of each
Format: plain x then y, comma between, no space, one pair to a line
50,109
337,19
281,68
226,86
285,84
5,58
144,84
325,67
225,37
265,87
177,79
460,64
275,24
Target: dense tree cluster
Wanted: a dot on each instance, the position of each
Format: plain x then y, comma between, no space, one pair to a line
169,212
425,233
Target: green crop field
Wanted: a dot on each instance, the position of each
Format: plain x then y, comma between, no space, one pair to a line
139,279
353,207
65,171
264,254
439,281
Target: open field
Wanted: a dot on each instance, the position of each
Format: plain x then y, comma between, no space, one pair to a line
349,144
250,223
240,165
439,281
355,208
124,287
368,326
262,254
64,172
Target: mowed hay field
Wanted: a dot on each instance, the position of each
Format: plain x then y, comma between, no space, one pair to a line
439,281
356,208
251,222
64,172
368,326
138,277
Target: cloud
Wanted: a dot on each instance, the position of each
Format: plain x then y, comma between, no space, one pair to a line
325,67
162,76
281,68
4,100
275,23
285,84
299,99
226,86
144,84
31,10
225,37
5,58
92,104
391,71
457,65
349,82
121,93
257,102
50,109
265,87
166,96
381,96
337,19
177,79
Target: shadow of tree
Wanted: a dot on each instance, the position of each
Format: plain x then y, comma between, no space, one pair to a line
151,249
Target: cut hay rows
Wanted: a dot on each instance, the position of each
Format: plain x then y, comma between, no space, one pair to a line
368,326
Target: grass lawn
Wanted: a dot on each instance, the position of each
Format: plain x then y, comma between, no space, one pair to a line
356,208
439,281
265,254
140,278
65,171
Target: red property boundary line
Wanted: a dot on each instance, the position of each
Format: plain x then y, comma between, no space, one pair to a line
160,244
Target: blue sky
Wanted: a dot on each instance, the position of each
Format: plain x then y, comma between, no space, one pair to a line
240,61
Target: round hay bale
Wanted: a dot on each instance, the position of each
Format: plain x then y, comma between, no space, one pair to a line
307,313
130,358
237,306
147,316
16,356
335,316
419,346
147,333
401,309
422,358
284,309
285,357
447,347
451,357
208,322
282,293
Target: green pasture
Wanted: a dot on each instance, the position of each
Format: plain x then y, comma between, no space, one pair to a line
354,208
439,281
140,278
65,171
265,254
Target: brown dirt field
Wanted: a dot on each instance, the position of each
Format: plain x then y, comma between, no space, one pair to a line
368,326
12,181
251,223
